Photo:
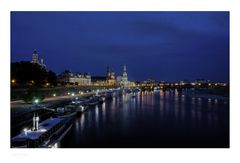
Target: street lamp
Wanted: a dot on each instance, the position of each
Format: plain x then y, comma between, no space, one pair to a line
36,101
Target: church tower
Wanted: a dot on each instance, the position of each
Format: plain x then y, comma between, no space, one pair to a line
108,75
124,81
125,73
35,57
112,75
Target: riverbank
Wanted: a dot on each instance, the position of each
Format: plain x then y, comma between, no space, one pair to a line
219,93
223,92
20,107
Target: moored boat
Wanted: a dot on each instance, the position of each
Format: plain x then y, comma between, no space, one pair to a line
43,135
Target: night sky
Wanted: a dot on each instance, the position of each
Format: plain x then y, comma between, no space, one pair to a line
166,46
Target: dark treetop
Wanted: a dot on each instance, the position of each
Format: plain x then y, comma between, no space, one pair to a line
160,45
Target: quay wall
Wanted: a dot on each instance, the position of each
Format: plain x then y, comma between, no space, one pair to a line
17,94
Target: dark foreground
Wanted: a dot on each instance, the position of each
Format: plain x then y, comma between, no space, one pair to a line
153,119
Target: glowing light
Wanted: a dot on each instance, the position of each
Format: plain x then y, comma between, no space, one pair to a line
13,81
54,95
55,145
72,94
25,131
36,101
193,84
42,130
68,93
182,83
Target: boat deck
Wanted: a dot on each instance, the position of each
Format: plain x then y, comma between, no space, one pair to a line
43,127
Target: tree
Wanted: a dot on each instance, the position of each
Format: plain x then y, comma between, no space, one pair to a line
24,73
52,78
33,95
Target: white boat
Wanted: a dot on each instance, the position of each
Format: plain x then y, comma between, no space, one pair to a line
43,135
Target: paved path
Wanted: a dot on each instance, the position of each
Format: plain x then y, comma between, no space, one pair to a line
19,106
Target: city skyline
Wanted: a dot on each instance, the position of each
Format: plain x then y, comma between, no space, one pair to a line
165,46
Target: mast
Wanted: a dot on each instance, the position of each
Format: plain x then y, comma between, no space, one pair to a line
33,122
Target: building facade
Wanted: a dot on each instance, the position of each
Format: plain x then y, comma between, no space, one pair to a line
110,77
108,80
69,78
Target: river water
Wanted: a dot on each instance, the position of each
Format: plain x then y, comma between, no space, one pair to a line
152,119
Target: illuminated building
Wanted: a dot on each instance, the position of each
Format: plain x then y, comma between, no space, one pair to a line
108,80
110,77
67,77
99,80
35,60
123,80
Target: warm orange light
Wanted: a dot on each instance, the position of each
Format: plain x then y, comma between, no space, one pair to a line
13,81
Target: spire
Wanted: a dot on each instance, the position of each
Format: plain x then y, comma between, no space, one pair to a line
124,72
107,68
124,68
108,72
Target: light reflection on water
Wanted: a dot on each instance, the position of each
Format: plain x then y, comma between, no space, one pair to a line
149,116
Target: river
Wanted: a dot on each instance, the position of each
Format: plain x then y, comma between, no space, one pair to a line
152,119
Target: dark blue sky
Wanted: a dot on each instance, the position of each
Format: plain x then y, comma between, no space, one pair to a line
167,46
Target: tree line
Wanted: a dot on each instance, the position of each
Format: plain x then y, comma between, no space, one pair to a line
25,74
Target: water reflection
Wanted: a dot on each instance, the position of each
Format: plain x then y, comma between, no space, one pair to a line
96,115
82,122
148,117
104,111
